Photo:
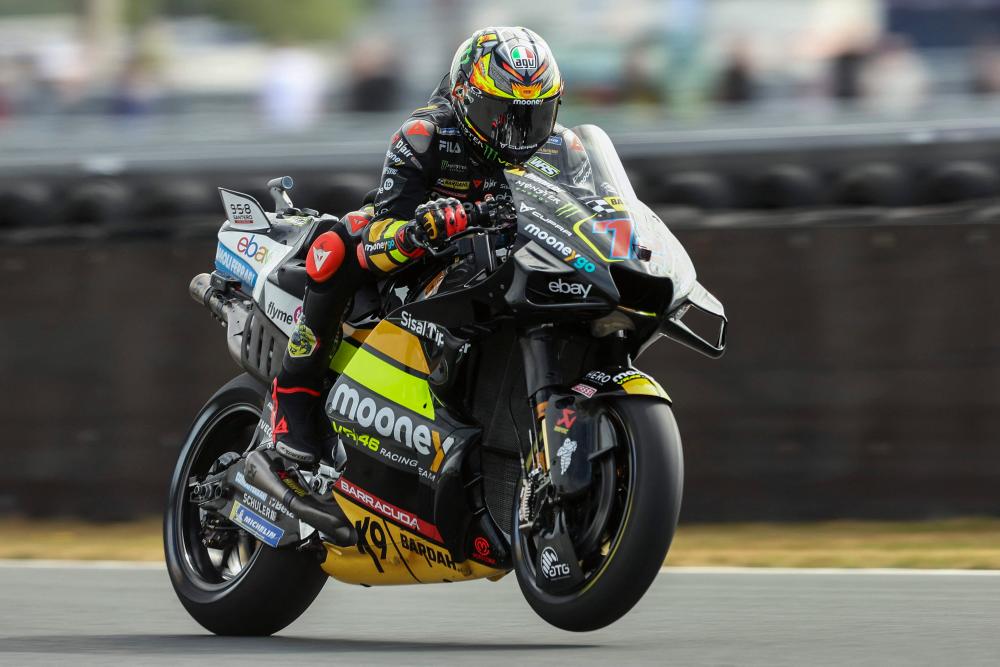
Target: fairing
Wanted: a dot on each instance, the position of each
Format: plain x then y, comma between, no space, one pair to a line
593,221
403,443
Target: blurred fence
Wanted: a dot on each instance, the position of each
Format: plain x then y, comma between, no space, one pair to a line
862,379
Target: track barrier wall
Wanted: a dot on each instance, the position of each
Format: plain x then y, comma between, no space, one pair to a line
862,377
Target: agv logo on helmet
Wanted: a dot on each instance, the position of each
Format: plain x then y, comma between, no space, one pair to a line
522,57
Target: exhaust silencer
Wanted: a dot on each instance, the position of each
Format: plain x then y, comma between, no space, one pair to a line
202,291
329,519
230,309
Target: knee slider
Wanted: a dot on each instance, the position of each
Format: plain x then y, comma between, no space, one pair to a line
325,256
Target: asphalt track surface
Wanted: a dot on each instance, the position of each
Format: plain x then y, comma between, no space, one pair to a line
119,615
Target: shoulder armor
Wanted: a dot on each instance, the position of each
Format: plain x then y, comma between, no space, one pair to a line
418,133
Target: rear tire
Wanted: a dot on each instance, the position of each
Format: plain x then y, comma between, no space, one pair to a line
646,427
274,586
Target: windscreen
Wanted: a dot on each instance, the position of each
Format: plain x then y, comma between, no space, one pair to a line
635,228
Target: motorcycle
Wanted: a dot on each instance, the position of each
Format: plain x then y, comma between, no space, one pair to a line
488,414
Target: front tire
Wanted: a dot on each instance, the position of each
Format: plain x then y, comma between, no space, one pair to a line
649,446
252,590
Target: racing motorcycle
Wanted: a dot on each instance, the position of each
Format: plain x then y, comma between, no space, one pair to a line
488,414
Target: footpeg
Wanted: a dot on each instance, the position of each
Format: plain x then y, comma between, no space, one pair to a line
268,474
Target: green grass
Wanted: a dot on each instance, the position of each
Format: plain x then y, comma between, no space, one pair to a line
953,543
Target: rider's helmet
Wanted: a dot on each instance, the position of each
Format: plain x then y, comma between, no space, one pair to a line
505,88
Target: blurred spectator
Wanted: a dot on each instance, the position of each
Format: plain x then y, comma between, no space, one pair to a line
137,90
986,66
6,84
375,83
845,72
640,83
736,81
62,74
293,89
19,85
895,79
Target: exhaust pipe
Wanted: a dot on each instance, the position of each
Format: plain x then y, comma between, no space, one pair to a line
203,292
265,473
200,287
231,311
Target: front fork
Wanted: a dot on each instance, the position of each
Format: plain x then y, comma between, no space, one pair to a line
558,463
543,378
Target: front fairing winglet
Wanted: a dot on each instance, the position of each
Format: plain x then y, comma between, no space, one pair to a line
674,328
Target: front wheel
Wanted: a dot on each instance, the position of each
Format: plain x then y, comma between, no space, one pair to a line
229,582
624,527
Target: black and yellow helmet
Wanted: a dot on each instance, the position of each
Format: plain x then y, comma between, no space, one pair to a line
505,88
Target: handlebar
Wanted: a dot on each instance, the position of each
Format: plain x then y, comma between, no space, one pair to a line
492,212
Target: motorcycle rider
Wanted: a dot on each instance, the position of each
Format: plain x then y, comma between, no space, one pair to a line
495,109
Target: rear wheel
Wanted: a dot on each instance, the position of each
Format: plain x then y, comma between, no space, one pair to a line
233,585
622,528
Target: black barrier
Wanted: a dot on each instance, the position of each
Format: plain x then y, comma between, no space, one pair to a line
769,177
862,377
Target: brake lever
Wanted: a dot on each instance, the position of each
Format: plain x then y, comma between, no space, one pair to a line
450,248
500,214
426,246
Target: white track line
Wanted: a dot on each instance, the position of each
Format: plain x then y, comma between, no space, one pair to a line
31,564
829,571
12,563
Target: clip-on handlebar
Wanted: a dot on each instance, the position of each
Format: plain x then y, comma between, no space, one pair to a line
490,211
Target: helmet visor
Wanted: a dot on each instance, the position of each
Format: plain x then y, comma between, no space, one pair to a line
514,128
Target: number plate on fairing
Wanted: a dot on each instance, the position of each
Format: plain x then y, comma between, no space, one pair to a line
243,211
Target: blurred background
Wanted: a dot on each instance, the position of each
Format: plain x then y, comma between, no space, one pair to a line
831,166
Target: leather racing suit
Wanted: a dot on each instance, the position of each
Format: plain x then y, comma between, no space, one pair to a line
427,159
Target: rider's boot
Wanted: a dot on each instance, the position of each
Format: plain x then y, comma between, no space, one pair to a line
297,421
301,432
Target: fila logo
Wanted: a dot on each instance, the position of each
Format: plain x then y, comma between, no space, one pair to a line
319,257
576,289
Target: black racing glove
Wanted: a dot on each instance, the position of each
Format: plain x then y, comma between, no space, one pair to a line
438,220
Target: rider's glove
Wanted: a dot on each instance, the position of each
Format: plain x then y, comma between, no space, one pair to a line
439,220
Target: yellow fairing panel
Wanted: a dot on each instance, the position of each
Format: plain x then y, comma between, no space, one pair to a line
388,555
400,345
347,349
392,363
645,386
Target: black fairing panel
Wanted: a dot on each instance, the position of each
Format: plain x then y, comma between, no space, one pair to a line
571,422
571,438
